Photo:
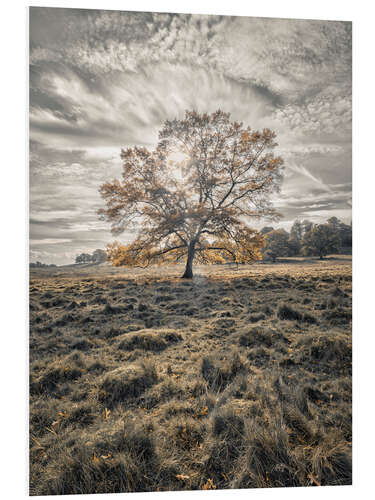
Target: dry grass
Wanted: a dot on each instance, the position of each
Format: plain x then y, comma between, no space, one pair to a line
146,382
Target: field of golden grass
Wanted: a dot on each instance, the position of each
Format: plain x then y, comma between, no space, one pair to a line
142,381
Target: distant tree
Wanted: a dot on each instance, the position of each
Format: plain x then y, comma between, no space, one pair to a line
266,229
294,247
343,230
296,231
190,197
83,258
321,240
295,238
306,226
346,236
41,264
99,256
276,244
335,223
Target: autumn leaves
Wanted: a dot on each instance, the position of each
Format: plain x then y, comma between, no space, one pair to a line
226,174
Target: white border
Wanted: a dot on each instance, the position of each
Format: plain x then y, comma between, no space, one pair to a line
14,208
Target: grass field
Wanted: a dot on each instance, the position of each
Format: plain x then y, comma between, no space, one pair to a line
142,381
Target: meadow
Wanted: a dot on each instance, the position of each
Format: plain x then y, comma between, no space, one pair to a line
142,381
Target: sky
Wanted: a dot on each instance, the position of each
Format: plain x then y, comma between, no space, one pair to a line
105,80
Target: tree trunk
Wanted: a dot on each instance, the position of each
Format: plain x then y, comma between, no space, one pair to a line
189,263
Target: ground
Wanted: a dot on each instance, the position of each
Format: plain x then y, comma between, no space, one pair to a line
142,381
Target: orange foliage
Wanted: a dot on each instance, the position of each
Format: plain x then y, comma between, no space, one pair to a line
194,194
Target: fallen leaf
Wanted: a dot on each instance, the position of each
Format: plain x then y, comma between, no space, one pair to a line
182,477
209,485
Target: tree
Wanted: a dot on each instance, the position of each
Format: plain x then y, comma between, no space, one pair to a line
99,256
346,235
296,231
83,258
41,264
335,223
276,244
306,226
295,238
321,240
343,230
193,195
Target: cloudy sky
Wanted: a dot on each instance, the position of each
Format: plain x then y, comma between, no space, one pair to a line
102,80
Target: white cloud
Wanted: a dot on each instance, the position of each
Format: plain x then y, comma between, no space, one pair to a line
324,114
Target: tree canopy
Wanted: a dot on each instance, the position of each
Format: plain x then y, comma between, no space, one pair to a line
321,240
98,256
344,231
193,195
276,244
295,238
83,258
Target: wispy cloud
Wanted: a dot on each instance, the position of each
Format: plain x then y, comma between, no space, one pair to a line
305,172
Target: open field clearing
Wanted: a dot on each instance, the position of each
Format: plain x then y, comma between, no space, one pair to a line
142,381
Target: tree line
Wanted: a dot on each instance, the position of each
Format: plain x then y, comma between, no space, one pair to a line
97,257
307,239
41,264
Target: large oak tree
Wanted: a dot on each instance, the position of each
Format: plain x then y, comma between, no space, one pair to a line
193,196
